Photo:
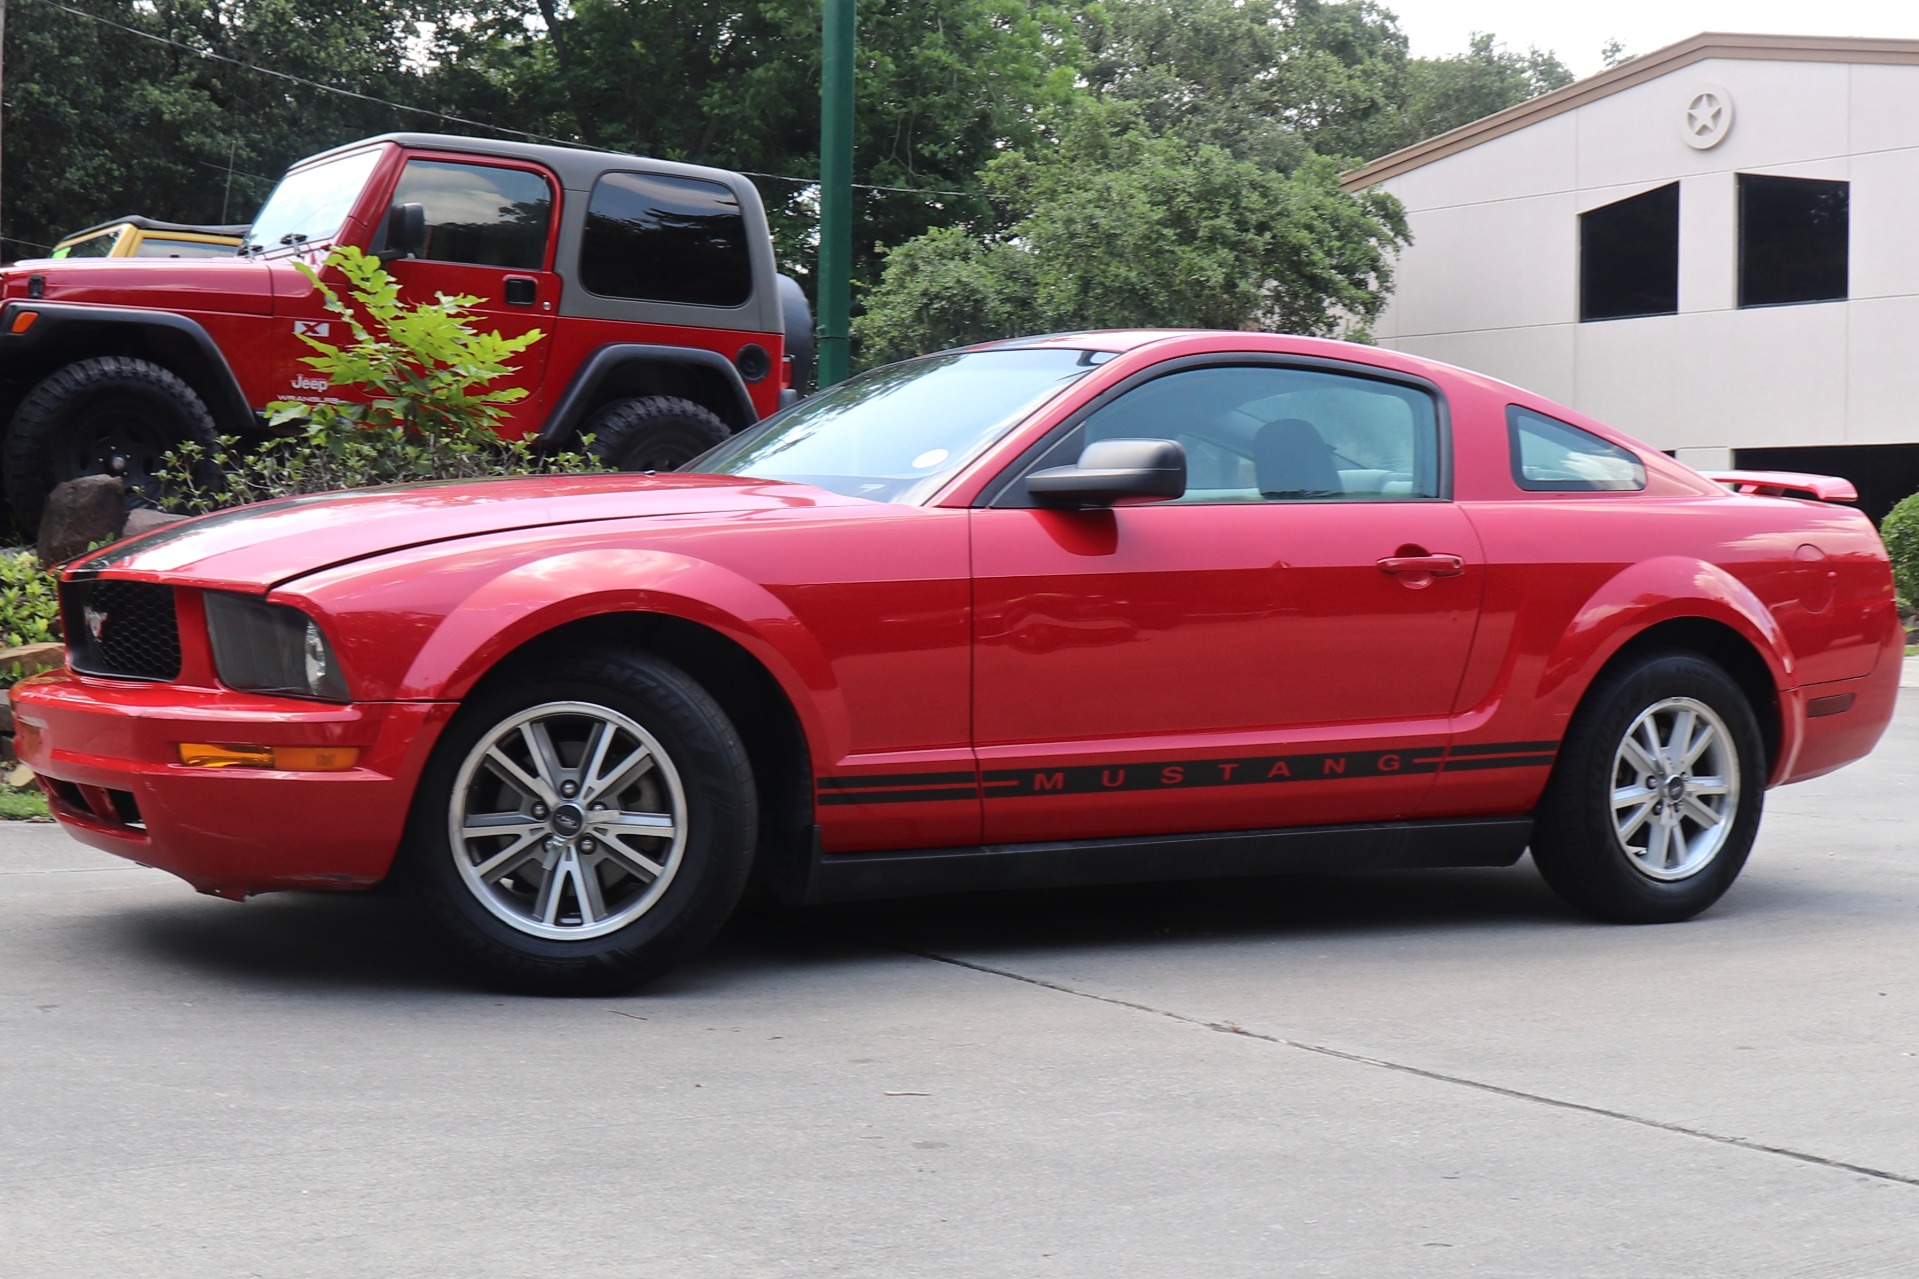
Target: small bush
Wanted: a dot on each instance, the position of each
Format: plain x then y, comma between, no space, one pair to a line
1900,529
420,409
29,603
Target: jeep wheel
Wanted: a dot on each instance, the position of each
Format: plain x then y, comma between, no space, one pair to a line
583,831
107,415
654,433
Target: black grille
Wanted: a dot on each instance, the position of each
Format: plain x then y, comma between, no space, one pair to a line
123,629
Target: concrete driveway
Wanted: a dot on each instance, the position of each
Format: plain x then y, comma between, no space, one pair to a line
1419,1074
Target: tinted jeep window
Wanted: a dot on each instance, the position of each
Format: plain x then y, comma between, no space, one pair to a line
1551,457
479,214
665,239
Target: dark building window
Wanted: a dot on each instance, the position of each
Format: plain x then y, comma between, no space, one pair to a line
665,239
1629,257
1792,240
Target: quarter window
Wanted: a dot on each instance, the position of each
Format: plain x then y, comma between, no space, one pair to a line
480,214
1273,434
1551,457
1793,240
658,238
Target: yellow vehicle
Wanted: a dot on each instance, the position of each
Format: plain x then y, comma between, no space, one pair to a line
145,238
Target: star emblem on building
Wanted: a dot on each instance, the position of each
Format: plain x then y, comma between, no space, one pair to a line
1703,114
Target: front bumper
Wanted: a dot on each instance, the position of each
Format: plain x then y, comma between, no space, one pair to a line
107,753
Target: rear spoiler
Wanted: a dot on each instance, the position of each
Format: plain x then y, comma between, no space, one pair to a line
1825,488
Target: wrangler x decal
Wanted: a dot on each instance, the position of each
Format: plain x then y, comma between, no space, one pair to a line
1184,774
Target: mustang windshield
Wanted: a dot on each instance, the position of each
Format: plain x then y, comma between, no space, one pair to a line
896,433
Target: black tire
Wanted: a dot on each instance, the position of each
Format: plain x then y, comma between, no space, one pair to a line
797,319
531,926
1597,835
654,433
81,418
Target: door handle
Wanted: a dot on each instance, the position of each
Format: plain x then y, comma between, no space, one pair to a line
521,290
1426,565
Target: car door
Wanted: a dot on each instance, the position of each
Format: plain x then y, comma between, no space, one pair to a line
489,235
1281,646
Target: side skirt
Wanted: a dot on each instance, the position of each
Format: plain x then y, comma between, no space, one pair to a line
840,877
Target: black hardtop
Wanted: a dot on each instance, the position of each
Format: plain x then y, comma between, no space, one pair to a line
154,224
576,167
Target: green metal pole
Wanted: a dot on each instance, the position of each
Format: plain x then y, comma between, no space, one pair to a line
836,192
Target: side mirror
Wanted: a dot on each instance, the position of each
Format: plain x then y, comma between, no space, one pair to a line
1110,471
405,230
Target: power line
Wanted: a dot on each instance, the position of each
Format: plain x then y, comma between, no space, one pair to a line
427,111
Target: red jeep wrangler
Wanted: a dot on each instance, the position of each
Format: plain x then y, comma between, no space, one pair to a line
668,327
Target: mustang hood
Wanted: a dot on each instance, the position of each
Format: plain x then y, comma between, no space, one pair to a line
258,547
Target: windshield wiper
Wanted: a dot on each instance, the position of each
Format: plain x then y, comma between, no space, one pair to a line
294,237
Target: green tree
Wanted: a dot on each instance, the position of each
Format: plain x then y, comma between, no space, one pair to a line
942,86
1121,226
102,120
1445,93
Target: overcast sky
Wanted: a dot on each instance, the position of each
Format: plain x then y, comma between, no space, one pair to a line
1576,31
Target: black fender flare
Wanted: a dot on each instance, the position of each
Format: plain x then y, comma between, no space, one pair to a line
23,355
569,415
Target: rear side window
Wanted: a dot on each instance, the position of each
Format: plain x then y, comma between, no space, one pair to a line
1550,456
479,214
657,238
94,246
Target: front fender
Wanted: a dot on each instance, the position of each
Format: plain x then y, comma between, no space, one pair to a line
466,635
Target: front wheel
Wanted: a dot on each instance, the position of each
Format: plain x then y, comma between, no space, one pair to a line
103,416
584,832
1655,799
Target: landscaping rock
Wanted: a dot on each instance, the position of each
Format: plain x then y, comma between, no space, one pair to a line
146,519
79,514
31,659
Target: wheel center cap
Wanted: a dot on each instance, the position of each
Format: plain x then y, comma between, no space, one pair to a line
1676,788
568,820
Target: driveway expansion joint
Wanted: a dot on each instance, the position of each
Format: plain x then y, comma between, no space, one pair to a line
1461,1081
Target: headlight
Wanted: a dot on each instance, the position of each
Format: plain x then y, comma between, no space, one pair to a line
271,648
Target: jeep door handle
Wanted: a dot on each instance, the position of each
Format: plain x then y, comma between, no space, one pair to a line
522,290
1430,565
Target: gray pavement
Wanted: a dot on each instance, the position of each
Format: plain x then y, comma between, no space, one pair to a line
1419,1074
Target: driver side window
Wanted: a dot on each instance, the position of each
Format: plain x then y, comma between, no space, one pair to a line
1274,434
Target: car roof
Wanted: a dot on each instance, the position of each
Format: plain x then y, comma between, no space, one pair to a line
577,167
154,224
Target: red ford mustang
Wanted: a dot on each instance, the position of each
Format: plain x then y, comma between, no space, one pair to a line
1089,607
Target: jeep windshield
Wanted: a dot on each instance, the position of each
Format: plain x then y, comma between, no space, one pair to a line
895,434
311,203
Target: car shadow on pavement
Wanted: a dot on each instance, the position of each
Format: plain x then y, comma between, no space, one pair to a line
378,942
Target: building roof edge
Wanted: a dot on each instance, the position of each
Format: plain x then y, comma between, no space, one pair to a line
1699,48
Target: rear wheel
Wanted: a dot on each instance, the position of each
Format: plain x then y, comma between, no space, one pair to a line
587,831
654,433
104,416
1656,796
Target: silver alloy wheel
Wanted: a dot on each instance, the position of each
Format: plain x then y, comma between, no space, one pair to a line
567,821
1675,789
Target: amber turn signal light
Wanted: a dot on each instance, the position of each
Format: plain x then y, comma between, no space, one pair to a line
292,759
22,321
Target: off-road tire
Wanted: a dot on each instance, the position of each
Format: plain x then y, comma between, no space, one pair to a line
1580,839
654,433
702,780
78,418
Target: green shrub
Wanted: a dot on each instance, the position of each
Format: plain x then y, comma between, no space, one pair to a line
29,604
419,410
1900,529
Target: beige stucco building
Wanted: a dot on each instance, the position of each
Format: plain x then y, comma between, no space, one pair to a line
1714,247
